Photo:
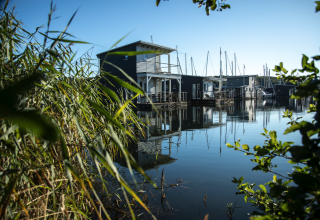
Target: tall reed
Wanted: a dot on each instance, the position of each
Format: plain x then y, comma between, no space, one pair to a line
59,128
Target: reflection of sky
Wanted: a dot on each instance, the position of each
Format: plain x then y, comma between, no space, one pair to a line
208,165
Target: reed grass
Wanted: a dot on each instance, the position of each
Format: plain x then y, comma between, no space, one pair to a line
60,129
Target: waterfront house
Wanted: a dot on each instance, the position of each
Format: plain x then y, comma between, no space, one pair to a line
153,72
285,90
242,86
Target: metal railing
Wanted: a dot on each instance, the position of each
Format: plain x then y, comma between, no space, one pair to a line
148,66
163,97
218,95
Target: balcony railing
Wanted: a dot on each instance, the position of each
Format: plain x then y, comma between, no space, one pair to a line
150,66
163,97
217,95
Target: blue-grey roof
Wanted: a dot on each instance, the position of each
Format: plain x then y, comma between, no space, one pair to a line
148,44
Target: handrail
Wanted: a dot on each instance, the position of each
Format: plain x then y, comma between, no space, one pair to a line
163,97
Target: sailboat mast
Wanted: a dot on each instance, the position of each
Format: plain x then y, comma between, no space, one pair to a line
185,60
220,63
226,63
207,64
235,64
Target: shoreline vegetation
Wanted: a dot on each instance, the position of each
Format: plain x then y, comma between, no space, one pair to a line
60,129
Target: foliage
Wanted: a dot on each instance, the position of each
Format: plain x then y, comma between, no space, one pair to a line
59,128
213,5
301,198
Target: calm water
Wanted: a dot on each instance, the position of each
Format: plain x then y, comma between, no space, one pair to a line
190,145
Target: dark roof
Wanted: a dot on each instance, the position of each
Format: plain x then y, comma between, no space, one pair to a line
240,76
152,46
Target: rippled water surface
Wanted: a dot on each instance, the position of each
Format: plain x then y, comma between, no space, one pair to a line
190,146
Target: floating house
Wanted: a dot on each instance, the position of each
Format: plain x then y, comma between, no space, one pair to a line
243,86
285,90
204,89
152,71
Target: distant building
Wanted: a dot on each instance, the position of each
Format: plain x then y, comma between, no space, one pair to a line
199,87
243,86
284,90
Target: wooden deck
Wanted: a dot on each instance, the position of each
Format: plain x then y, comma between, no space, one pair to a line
162,105
216,102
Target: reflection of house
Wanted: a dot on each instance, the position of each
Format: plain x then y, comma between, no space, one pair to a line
199,117
242,86
163,125
150,71
243,111
148,155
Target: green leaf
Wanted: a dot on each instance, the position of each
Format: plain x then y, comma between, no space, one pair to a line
237,144
265,130
110,93
263,187
249,190
157,2
6,196
277,68
285,207
300,153
304,61
306,181
229,145
316,57
207,11
273,135
225,6
214,6
275,178
318,6
105,113
245,147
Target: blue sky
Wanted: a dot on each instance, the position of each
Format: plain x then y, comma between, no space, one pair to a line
259,32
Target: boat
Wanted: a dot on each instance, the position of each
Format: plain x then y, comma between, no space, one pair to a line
264,95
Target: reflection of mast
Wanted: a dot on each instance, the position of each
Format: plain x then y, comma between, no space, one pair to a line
225,139
220,122
244,108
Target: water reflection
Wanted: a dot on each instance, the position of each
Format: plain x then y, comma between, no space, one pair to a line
189,144
231,121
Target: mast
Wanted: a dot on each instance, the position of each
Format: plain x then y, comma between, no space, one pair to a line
177,60
235,64
267,73
185,60
220,63
191,66
226,63
264,78
232,68
207,63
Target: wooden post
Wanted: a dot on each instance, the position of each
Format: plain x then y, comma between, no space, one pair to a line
169,90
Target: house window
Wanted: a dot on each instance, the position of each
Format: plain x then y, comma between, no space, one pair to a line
205,87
